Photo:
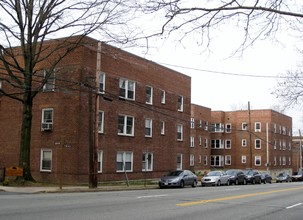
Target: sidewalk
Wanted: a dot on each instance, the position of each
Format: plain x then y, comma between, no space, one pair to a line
56,189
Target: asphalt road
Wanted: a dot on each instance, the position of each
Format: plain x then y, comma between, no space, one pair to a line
266,201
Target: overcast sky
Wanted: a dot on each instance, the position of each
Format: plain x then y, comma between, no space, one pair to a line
219,81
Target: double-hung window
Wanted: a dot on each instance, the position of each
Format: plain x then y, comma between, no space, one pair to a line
180,103
148,127
163,96
257,160
228,128
180,132
127,89
100,159
228,144
49,85
227,159
124,162
47,119
162,124
147,162
126,125
244,143
101,82
258,144
191,160
149,95
179,161
100,121
46,160
258,127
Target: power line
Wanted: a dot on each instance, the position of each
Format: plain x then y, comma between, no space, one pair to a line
227,73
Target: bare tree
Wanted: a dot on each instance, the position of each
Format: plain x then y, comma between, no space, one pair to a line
290,88
254,19
28,24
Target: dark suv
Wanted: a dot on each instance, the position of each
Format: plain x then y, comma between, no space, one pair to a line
236,177
253,176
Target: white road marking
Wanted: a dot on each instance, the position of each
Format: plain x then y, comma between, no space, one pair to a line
152,196
289,207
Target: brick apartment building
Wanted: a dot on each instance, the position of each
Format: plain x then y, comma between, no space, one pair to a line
200,138
143,118
296,153
258,139
146,123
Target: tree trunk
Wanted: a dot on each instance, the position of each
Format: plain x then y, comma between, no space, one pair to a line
24,159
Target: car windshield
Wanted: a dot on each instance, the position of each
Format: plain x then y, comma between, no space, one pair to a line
248,172
174,173
281,174
231,172
213,173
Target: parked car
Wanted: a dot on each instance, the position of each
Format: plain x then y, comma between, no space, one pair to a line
252,176
215,178
283,177
179,178
236,177
298,176
266,178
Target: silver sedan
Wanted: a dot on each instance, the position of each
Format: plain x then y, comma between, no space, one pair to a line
215,178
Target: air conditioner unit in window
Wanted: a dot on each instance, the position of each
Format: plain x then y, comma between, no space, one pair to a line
47,126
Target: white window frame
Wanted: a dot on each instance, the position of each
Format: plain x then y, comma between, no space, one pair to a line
46,122
217,144
0,83
147,161
228,128
49,85
244,143
205,162
149,95
162,132
180,103
260,142
206,126
257,126
122,158
180,132
42,160
228,144
192,123
191,160
258,158
200,140
228,160
217,127
243,159
101,122
163,96
244,126
125,130
130,88
205,143
101,83
179,161
100,161
192,141
148,127
217,158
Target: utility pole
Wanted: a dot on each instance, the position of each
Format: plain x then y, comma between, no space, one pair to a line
249,130
300,151
94,149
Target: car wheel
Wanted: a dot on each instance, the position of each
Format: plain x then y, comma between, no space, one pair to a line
253,181
264,182
182,184
237,182
227,184
194,183
219,183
